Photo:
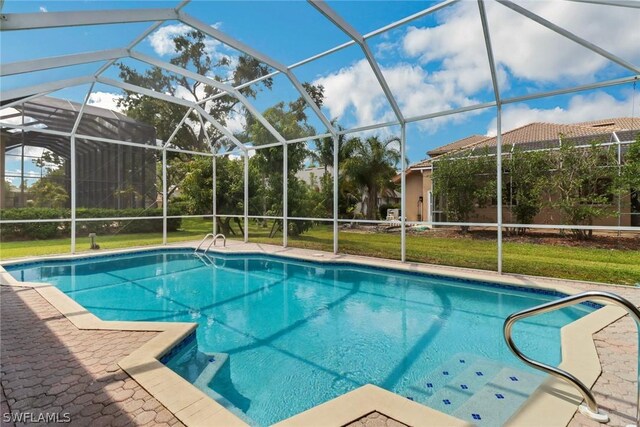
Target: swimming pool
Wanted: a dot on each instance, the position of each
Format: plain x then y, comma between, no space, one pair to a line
278,336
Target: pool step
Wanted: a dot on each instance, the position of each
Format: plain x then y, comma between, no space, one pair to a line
475,389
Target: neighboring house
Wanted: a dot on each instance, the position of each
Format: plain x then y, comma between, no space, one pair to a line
312,175
534,136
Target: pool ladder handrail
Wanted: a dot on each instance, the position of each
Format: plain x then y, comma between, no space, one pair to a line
591,410
213,242
202,241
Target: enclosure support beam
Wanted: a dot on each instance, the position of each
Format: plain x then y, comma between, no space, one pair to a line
76,124
133,44
174,100
74,186
60,61
44,87
499,184
246,196
225,88
30,21
618,3
351,42
336,149
214,202
73,194
285,195
619,154
343,25
177,129
496,93
403,195
165,204
236,44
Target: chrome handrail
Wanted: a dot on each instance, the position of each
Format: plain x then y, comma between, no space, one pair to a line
591,410
202,258
202,241
213,242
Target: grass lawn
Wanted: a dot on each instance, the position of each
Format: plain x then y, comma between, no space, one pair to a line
580,263
192,229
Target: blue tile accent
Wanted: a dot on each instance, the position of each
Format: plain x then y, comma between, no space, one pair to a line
464,386
478,373
446,401
176,348
445,372
429,385
9,266
513,378
476,416
499,396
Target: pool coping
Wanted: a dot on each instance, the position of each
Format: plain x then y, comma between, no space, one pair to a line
555,398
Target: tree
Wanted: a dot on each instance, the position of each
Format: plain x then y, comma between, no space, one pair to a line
464,183
371,166
197,190
527,180
291,121
49,191
584,182
48,194
323,156
191,53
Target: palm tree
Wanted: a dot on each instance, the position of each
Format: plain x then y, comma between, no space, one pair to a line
371,166
323,153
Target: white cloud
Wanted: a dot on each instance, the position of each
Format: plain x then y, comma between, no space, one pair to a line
355,89
445,66
105,100
43,9
525,48
236,122
162,39
456,45
581,108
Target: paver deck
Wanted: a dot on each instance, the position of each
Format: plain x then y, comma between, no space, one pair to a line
376,419
616,388
51,367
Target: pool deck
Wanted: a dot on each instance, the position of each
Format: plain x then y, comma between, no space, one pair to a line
59,359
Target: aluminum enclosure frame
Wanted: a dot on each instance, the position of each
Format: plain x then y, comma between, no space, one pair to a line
11,22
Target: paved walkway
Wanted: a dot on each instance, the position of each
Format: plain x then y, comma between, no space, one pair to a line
616,388
51,367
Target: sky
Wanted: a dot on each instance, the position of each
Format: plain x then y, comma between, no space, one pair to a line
432,64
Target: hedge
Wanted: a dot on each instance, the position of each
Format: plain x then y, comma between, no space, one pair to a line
49,230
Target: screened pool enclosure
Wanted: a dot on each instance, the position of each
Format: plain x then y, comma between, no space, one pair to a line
141,119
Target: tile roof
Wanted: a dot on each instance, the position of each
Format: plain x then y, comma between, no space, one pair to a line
535,132
461,143
540,133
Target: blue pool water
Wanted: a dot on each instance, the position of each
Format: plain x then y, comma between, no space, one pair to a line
282,336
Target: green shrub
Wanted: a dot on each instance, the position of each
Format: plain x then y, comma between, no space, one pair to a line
34,230
49,230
